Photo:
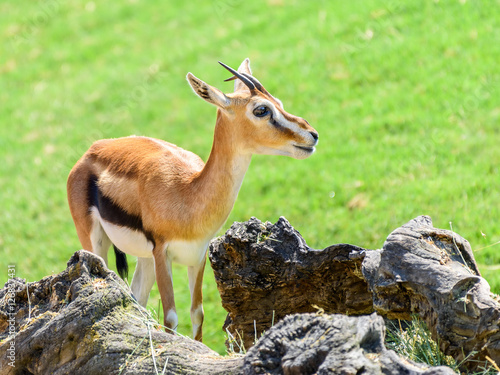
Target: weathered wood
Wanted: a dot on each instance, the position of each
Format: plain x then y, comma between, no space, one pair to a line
84,321
329,344
265,272
432,273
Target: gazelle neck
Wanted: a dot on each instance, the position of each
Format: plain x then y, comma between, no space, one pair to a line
220,180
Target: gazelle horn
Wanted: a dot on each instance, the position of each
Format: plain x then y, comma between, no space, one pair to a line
241,77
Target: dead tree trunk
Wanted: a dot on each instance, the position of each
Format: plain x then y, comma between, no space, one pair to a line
432,272
84,321
329,344
265,272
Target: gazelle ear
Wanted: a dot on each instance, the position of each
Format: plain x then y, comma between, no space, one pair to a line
208,93
243,68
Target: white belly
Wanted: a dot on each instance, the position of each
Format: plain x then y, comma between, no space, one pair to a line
188,253
135,243
129,241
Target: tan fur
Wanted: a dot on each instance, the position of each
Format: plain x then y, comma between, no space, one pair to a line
177,196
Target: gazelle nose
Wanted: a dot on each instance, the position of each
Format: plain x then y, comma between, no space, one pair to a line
315,136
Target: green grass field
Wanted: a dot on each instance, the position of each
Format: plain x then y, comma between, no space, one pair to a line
405,97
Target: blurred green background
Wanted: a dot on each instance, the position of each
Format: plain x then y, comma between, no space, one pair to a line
404,94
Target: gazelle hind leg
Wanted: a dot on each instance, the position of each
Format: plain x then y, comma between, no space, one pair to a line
143,279
195,275
100,240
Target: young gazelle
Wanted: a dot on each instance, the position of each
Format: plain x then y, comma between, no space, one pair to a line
156,201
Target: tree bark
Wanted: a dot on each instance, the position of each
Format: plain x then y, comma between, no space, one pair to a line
265,272
432,273
84,321
329,344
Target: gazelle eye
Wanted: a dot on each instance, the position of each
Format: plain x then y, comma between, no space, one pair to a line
261,111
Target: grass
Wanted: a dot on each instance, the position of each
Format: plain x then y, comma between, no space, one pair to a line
413,341
403,94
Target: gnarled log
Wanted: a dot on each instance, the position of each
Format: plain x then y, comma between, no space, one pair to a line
432,272
329,344
84,321
265,272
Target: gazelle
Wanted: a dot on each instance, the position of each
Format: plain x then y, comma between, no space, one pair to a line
156,201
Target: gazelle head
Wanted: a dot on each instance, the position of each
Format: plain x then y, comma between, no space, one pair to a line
259,124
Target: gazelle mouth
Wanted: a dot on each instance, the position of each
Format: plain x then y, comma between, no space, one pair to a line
305,148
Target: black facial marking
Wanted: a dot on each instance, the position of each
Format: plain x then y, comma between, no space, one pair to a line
280,127
276,123
112,212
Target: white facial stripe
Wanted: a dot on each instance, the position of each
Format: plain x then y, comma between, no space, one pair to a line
279,102
293,126
280,119
277,116
299,143
263,102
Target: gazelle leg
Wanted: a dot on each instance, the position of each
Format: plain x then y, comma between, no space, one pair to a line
100,240
163,269
195,275
143,280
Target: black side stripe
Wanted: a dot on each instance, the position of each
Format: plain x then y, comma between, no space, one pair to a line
112,212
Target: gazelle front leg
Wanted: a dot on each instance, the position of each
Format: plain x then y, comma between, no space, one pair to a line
163,269
195,275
